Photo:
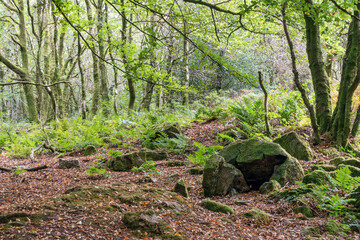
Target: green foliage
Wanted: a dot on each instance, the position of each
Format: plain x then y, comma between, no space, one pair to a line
176,145
203,153
335,198
149,167
97,170
18,171
226,137
115,153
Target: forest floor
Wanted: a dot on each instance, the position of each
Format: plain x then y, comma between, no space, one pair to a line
99,215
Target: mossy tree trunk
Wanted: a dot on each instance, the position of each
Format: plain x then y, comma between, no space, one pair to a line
297,80
318,68
126,39
350,77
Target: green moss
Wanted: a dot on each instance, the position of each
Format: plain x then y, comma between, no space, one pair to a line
333,227
22,217
305,210
326,167
195,171
89,150
312,230
176,163
259,215
318,177
269,187
180,188
336,161
216,207
296,146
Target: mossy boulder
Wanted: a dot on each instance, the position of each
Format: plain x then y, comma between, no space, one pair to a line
148,222
259,215
289,194
195,171
333,227
216,207
337,161
69,163
135,159
304,210
176,163
268,187
181,188
90,150
220,178
261,161
170,130
352,162
21,217
318,177
355,171
326,167
230,133
296,146
312,231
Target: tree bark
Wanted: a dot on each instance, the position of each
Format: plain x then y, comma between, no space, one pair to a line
318,69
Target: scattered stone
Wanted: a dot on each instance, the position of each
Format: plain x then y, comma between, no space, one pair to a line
69,163
195,171
259,215
355,171
181,189
318,177
172,205
220,177
145,221
336,161
352,162
240,202
90,150
304,210
312,231
176,163
216,207
326,167
135,159
333,227
271,186
21,217
296,146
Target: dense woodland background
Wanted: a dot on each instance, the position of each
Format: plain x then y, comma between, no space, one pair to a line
114,81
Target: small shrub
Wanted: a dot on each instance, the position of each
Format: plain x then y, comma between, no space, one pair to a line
149,167
97,170
203,153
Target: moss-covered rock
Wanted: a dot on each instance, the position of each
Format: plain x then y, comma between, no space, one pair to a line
220,178
240,202
289,194
352,162
21,217
336,161
176,163
318,177
216,207
90,150
260,161
195,171
269,187
181,188
259,215
146,221
169,130
356,195
326,167
333,227
69,163
305,210
135,159
312,231
296,146
229,133
355,171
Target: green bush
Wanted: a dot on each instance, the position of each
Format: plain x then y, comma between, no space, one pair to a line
203,153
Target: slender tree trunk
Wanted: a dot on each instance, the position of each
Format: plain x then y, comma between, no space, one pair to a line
350,78
297,80
28,89
186,64
318,70
126,40
268,132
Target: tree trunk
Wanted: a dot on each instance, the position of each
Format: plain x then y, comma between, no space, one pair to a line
318,69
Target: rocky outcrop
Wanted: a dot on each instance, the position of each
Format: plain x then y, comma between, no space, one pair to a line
296,146
69,163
